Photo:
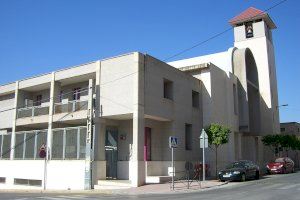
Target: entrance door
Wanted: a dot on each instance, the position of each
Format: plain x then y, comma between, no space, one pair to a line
111,153
147,144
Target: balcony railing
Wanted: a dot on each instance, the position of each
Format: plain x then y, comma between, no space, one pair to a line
71,106
32,111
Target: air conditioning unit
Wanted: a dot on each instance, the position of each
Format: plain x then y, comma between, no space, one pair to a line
28,103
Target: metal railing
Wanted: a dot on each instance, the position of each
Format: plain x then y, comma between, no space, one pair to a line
67,144
70,106
32,111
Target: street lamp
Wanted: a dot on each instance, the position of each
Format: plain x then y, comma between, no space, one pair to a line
283,105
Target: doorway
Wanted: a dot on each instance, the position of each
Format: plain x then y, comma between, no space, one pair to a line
111,153
147,144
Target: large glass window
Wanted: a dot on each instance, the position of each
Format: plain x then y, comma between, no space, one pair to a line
30,142
41,138
57,144
6,146
71,143
19,147
82,143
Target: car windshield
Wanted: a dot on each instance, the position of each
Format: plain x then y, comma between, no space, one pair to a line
236,165
279,160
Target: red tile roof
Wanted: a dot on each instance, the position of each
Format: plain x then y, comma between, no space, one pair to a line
247,15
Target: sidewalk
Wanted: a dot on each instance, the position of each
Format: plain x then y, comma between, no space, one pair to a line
179,187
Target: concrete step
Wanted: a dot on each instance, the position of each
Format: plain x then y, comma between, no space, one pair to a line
158,179
113,184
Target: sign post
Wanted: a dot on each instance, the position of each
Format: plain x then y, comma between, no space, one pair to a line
173,143
203,144
42,154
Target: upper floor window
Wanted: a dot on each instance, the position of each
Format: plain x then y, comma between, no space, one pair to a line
195,99
168,89
60,96
282,129
38,101
76,94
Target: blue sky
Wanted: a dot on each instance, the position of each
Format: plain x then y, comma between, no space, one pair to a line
43,36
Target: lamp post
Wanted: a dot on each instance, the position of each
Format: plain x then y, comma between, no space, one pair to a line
283,105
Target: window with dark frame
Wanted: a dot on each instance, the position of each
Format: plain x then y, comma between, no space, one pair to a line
60,97
38,101
76,94
168,89
188,136
195,99
282,129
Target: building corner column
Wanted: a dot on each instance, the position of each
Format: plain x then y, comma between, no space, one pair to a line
137,174
54,92
14,125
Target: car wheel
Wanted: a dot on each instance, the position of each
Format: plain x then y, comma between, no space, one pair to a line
243,178
257,175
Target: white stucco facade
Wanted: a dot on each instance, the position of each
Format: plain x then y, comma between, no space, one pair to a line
137,102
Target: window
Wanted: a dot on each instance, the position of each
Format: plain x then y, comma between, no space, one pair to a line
5,148
168,89
2,179
60,97
188,137
195,99
28,144
38,101
76,94
249,30
28,182
69,143
235,99
282,129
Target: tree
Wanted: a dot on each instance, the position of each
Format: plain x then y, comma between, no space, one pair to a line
273,141
217,135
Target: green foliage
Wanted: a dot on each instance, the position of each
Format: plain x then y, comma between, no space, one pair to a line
285,141
217,134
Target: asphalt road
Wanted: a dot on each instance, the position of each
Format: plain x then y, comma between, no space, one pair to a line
276,187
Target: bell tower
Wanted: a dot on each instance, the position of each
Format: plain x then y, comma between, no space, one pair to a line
253,30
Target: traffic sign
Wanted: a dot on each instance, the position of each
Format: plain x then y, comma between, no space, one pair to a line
203,139
42,151
173,142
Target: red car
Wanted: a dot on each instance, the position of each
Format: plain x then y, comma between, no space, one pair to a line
281,165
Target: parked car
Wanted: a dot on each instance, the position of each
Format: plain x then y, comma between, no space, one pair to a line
239,171
281,165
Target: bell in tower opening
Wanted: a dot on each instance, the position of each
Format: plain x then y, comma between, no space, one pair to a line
249,30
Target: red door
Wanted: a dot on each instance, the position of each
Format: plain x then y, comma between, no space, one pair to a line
147,144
